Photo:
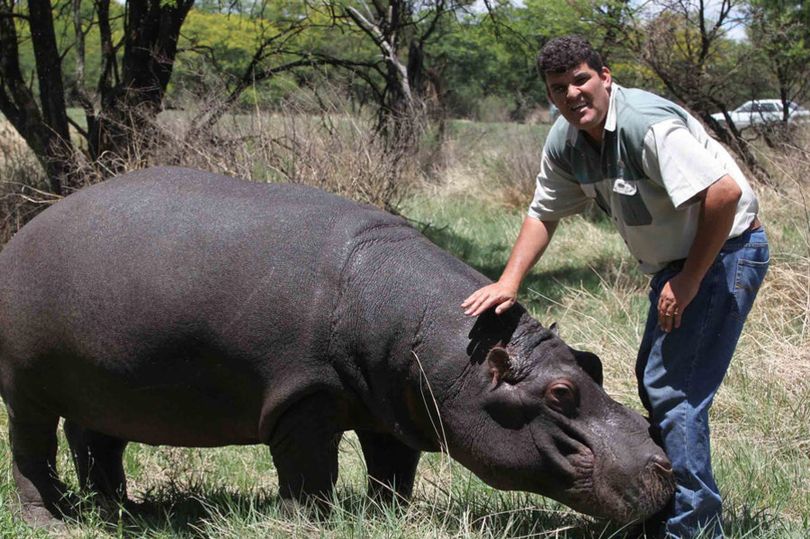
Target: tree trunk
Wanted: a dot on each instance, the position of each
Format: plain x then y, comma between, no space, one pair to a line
45,130
58,150
130,107
130,99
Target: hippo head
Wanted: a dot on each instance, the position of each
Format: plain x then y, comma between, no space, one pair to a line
531,415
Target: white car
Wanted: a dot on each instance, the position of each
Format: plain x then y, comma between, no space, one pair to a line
760,112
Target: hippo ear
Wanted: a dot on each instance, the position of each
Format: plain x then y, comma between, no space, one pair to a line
554,329
499,363
590,363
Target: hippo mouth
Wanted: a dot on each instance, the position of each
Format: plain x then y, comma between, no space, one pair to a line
594,486
635,499
650,492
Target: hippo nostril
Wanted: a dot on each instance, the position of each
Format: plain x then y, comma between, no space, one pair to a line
661,464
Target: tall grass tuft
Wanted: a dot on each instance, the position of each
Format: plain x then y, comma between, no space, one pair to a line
514,168
23,189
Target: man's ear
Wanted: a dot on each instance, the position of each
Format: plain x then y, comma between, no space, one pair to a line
499,363
607,77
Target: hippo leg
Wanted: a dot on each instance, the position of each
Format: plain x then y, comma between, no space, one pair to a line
99,461
33,448
304,446
391,465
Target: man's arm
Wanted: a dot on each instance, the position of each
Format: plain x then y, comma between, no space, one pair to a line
717,208
533,239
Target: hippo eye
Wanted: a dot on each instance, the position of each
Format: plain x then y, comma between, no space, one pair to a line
562,396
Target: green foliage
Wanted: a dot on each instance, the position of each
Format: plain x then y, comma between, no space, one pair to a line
546,19
66,40
493,54
472,63
213,49
483,62
780,31
230,39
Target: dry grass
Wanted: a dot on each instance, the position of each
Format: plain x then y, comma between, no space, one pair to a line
497,162
515,169
335,149
23,188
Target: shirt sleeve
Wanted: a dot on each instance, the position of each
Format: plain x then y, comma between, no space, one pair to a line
557,193
675,159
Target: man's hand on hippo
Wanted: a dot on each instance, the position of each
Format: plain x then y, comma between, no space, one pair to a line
499,295
532,240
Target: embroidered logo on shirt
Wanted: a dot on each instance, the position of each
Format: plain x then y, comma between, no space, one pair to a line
624,187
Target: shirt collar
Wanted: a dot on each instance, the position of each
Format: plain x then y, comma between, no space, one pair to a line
610,119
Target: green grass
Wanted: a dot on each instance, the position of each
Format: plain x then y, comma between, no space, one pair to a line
589,284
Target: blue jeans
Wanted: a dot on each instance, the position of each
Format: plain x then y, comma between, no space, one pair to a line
679,373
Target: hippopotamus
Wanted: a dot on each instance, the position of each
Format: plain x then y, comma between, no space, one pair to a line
185,308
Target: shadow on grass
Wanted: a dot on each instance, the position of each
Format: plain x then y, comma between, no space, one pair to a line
220,512
552,285
179,512
217,512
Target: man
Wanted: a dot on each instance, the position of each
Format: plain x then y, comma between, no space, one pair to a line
688,216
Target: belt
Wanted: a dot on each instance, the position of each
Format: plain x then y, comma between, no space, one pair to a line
678,264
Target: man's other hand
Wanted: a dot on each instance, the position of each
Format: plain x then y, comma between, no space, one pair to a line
675,297
496,295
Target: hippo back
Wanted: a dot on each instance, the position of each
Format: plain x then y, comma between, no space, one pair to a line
169,280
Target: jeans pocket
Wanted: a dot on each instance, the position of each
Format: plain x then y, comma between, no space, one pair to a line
749,277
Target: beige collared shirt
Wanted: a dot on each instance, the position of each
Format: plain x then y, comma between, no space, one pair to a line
652,203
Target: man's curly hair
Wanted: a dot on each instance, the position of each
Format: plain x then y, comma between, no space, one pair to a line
566,52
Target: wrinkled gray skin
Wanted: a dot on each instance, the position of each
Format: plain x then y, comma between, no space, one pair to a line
177,307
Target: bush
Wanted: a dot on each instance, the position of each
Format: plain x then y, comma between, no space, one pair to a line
317,140
23,185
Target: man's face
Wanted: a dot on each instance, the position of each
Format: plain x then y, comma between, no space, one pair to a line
583,96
